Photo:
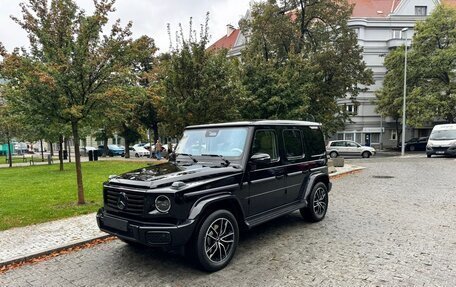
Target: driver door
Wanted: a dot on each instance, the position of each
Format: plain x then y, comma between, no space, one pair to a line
266,181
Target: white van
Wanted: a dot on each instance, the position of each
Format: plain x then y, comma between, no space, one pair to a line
442,140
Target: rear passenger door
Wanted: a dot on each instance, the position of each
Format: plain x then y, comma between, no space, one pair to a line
296,169
266,181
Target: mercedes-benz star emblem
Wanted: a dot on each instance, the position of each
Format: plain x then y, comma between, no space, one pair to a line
122,201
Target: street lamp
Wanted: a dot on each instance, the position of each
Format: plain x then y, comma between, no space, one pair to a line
404,31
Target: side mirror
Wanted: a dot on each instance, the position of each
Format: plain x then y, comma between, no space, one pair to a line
260,158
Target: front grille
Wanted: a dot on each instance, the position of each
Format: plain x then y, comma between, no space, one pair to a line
440,148
134,203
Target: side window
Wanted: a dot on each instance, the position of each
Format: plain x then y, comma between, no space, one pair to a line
265,141
315,141
293,144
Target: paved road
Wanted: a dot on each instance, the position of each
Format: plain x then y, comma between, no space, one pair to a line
398,231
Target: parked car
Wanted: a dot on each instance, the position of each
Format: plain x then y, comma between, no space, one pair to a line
442,140
226,178
348,148
139,151
416,144
85,150
113,150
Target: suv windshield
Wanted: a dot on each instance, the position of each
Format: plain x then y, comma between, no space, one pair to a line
443,135
226,142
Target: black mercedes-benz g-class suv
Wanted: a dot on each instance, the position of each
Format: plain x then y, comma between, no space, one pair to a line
225,177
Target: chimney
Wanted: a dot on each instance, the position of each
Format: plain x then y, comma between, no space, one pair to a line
229,29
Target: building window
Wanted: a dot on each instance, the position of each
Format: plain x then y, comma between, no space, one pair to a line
420,10
352,109
393,135
375,138
397,34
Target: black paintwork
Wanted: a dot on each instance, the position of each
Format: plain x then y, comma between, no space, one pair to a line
253,192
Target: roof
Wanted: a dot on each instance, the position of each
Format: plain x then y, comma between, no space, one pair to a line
381,8
258,123
373,8
226,42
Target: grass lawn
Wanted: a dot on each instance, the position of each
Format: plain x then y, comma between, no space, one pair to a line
42,193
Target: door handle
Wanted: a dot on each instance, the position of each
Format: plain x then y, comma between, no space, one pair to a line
280,176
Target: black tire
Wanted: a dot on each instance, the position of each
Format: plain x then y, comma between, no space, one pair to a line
206,236
333,154
136,155
366,154
428,156
412,148
317,204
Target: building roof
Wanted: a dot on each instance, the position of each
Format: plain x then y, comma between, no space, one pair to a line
381,8
226,42
373,8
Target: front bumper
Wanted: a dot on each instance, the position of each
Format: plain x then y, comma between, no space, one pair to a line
441,151
163,235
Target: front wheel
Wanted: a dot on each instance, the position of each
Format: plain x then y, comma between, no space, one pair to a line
428,155
333,154
216,240
412,148
318,203
366,154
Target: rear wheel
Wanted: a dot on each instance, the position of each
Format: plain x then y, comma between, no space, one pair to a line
366,154
318,203
333,154
412,148
216,240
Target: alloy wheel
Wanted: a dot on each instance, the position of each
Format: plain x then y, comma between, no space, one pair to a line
219,240
319,202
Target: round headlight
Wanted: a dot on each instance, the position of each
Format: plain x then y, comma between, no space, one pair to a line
162,203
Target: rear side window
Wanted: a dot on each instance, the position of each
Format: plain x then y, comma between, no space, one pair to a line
293,144
265,141
315,141
338,144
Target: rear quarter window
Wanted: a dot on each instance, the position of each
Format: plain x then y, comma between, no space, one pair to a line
315,141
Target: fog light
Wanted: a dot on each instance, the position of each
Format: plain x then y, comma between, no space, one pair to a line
162,203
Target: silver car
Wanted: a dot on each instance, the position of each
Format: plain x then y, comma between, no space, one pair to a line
344,147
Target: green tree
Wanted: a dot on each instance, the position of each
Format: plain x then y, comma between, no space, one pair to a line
301,58
74,63
198,86
433,55
389,98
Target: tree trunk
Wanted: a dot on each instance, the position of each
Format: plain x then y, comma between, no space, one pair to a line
42,152
155,129
9,153
61,152
69,151
127,148
398,132
105,146
51,149
77,155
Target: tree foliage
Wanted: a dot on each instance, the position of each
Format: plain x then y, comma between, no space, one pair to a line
71,64
431,87
198,86
300,59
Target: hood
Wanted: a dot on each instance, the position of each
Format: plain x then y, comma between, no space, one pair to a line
165,174
441,143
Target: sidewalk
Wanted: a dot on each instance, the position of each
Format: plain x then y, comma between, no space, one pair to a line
23,243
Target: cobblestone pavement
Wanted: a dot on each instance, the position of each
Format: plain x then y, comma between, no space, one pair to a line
398,231
24,241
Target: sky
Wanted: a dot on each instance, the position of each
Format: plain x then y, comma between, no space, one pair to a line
150,17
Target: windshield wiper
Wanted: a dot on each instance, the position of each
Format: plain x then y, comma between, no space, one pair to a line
226,162
189,155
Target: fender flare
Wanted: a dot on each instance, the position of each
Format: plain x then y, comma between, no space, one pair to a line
200,205
313,179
